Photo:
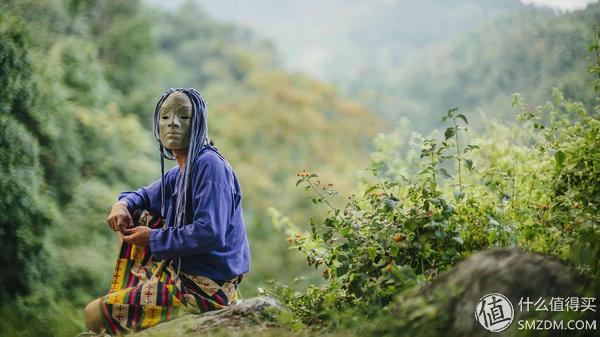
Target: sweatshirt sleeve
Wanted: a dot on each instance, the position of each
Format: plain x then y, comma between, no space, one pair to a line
147,198
212,204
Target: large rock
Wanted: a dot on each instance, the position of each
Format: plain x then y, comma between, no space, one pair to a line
446,307
258,310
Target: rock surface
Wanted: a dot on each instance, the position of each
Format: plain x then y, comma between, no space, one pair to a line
446,307
249,312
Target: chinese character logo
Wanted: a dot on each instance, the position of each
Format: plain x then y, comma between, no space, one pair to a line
494,312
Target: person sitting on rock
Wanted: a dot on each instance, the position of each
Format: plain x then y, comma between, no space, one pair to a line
191,219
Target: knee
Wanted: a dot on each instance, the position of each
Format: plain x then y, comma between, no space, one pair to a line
93,316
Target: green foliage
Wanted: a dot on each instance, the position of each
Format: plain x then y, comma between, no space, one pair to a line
595,66
530,51
126,48
398,233
393,236
15,66
58,129
24,213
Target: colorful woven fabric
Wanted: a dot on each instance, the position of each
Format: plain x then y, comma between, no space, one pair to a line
138,300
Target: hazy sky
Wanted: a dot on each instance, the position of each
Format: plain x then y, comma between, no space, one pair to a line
243,13
562,4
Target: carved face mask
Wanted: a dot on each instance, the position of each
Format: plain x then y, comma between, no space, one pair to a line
175,121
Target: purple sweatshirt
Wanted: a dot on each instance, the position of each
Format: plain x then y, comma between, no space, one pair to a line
213,241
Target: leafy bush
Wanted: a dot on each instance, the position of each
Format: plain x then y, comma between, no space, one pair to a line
466,197
397,234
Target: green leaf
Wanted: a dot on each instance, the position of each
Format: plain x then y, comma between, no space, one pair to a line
445,173
371,189
426,170
461,116
439,234
389,205
469,164
329,222
327,235
404,273
372,251
491,237
449,132
410,226
394,250
458,239
341,270
470,148
459,195
560,157
299,182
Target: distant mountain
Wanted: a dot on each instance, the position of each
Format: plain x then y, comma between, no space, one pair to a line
417,58
338,40
528,52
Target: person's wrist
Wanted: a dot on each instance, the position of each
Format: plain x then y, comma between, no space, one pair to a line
121,204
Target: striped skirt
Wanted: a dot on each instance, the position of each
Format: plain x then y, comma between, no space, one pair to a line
138,299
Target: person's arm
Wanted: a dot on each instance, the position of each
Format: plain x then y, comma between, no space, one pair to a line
212,201
147,198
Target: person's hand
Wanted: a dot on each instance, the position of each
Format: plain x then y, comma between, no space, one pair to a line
119,218
139,236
